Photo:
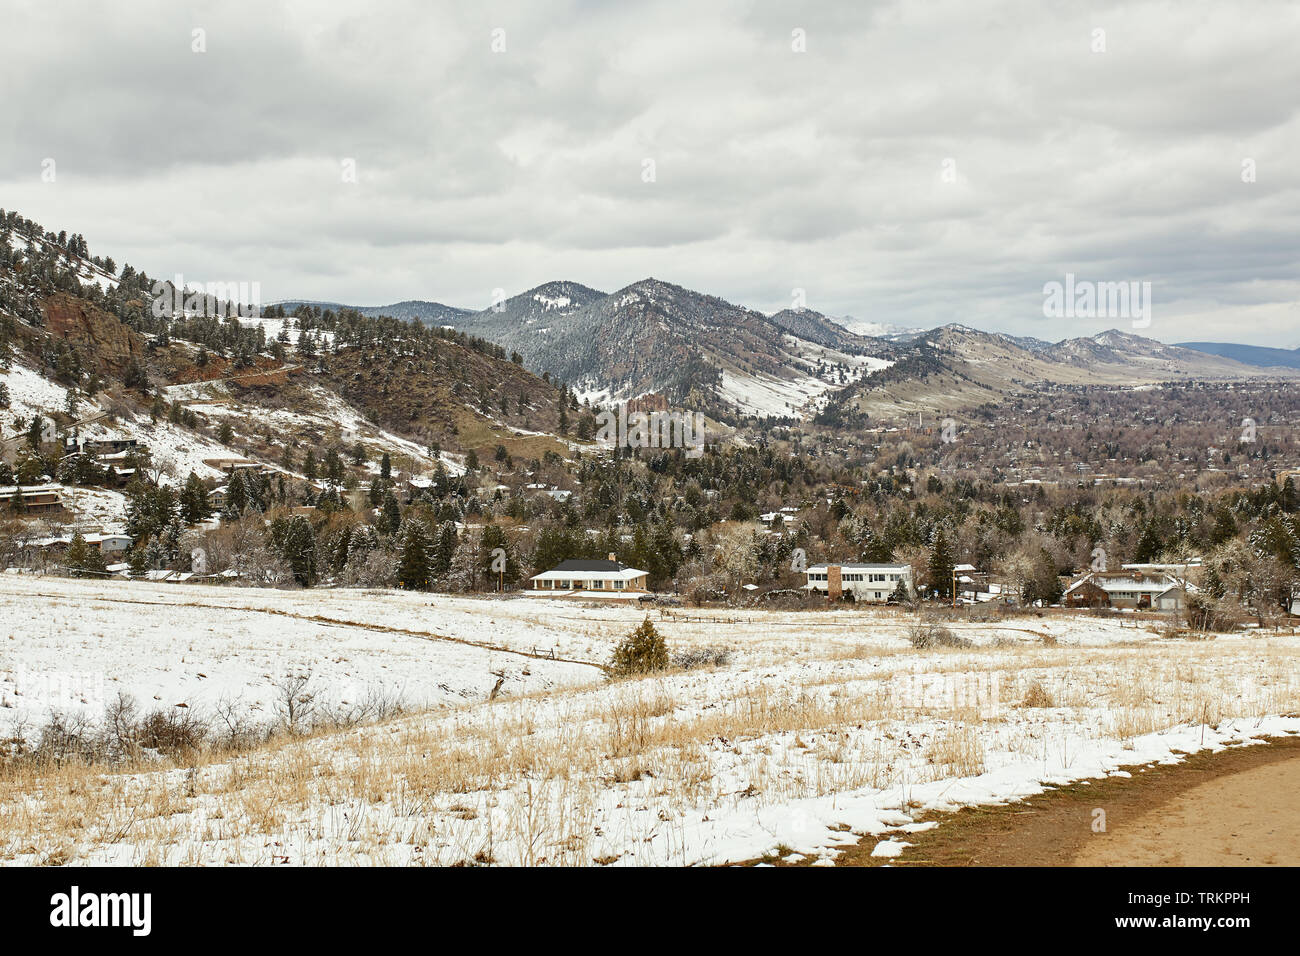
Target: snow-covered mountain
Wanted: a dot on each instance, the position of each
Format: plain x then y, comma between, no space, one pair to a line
954,367
880,330
656,337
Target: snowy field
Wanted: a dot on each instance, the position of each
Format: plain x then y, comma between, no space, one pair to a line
822,729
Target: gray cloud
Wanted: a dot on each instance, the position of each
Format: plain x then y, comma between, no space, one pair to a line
775,170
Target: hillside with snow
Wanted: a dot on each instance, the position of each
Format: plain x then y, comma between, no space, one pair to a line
489,736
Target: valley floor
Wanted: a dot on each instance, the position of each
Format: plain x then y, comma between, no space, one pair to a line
824,729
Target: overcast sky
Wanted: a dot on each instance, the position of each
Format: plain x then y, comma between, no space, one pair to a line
916,163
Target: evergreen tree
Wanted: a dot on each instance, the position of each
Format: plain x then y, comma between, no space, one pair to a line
414,567
494,541
194,501
296,542
334,466
83,560
390,518
443,550
641,652
941,564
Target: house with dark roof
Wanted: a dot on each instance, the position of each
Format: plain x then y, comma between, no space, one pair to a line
608,579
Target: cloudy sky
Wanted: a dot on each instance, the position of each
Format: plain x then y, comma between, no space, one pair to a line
912,163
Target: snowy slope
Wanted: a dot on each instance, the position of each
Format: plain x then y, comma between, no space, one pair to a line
822,730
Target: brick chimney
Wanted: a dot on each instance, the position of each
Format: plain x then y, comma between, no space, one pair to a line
834,582
611,556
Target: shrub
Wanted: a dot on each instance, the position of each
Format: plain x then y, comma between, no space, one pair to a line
641,652
925,635
1207,613
702,657
1037,696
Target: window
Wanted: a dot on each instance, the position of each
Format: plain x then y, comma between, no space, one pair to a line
619,585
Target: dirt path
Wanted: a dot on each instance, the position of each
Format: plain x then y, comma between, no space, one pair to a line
322,621
1248,818
1240,807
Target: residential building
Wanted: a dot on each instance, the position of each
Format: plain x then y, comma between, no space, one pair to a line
36,499
873,583
1142,590
591,579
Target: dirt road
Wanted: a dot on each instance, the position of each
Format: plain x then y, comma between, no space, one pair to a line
1240,807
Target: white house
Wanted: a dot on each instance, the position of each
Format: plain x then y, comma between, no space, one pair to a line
590,579
873,583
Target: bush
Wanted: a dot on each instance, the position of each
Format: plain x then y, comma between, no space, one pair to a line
1207,613
702,657
925,635
641,652
1037,696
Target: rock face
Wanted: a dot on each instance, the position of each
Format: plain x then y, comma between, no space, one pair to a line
99,336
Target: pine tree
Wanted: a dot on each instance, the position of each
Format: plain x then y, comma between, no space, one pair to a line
900,593
194,501
444,550
941,564
465,572
138,561
74,559
414,567
641,652
494,540
391,515
334,465
296,542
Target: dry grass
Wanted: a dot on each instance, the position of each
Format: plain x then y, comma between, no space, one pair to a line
617,772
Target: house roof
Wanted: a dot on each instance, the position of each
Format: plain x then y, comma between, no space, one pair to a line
897,568
1128,581
31,489
578,570
580,565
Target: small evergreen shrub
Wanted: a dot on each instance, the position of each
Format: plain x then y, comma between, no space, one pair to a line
641,652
